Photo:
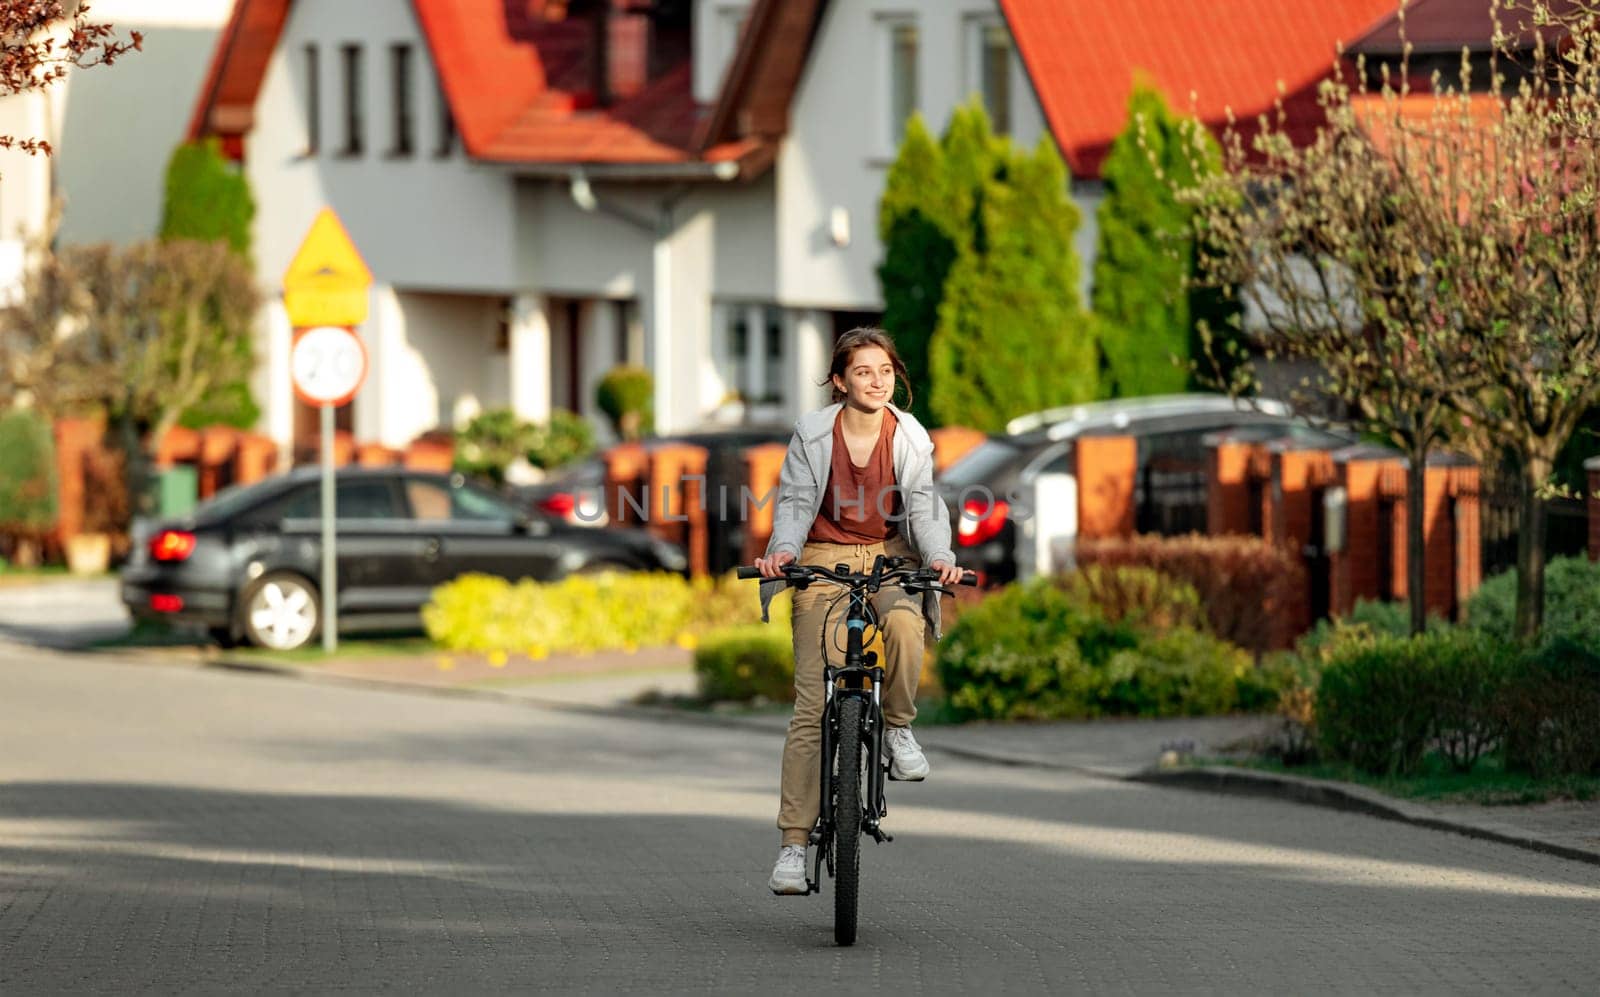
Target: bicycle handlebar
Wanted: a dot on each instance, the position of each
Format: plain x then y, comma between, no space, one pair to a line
919,577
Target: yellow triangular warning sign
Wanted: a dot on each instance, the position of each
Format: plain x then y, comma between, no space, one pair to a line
327,281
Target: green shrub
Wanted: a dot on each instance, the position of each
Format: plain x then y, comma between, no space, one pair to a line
1373,706
746,662
585,613
1245,583
1028,652
1550,711
491,441
1142,596
27,471
1571,602
626,395
1470,675
1181,673
564,439
1039,650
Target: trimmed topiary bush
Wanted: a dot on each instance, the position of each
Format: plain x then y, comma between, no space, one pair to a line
627,396
746,662
1373,707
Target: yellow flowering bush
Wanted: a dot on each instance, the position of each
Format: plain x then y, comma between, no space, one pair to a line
586,613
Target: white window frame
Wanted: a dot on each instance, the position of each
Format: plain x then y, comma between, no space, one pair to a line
891,131
973,32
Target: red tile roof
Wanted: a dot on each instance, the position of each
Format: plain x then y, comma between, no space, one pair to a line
1082,56
518,86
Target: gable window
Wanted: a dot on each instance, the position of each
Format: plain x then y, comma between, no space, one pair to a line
400,80
313,96
354,125
989,70
447,125
901,40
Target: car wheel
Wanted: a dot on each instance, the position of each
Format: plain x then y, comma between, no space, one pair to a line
281,612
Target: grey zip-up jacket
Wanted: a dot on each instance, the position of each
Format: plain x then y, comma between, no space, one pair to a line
803,480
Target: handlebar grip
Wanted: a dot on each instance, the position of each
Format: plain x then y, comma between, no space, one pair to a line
749,571
969,578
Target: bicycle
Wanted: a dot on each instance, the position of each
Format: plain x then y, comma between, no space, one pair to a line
852,722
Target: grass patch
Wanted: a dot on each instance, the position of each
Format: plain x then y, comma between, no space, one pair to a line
365,646
1488,784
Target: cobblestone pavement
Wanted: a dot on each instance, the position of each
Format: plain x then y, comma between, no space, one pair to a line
190,830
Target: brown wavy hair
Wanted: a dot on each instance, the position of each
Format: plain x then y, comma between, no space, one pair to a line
856,339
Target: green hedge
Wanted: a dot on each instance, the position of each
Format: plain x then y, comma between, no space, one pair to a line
746,662
1552,711
586,613
27,471
1245,583
1571,602
1038,650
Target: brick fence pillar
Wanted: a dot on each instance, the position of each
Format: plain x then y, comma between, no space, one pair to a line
676,500
1591,468
1106,467
762,464
1355,568
74,439
1228,487
626,467
951,443
1465,486
256,458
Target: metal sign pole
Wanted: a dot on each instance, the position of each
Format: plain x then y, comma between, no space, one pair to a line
330,582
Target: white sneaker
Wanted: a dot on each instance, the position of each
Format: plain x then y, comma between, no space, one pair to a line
789,875
907,762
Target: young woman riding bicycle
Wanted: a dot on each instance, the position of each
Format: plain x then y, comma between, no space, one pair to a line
857,483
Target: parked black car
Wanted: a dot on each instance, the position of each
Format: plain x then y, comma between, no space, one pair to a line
247,564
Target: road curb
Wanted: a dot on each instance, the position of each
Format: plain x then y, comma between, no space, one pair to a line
1330,794
1350,798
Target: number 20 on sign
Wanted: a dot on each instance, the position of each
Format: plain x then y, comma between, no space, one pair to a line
328,364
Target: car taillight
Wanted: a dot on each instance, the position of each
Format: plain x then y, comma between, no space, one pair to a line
560,504
167,603
172,545
980,521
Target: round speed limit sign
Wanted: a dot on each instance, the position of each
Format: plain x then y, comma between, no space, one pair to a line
328,364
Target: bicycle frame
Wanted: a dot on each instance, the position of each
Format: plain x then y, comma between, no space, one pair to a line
860,677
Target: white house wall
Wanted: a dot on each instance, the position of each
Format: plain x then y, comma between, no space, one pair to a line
120,123
716,35
839,147
422,222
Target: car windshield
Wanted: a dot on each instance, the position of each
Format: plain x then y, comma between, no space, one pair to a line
981,463
235,499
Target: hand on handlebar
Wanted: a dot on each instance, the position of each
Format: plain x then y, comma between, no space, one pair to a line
949,574
772,567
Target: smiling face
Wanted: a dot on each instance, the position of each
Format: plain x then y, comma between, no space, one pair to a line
868,379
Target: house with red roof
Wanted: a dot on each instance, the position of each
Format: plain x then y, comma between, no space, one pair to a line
546,188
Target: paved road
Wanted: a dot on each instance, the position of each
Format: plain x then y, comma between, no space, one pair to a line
190,830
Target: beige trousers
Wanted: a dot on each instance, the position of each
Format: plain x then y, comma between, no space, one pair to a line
817,613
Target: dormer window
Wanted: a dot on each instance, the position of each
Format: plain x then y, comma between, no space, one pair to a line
901,43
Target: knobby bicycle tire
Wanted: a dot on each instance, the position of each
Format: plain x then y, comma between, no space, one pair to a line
847,821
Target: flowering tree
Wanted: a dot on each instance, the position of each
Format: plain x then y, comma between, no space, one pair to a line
1435,253
40,42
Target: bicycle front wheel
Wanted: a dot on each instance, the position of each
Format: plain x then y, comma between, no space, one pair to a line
847,817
